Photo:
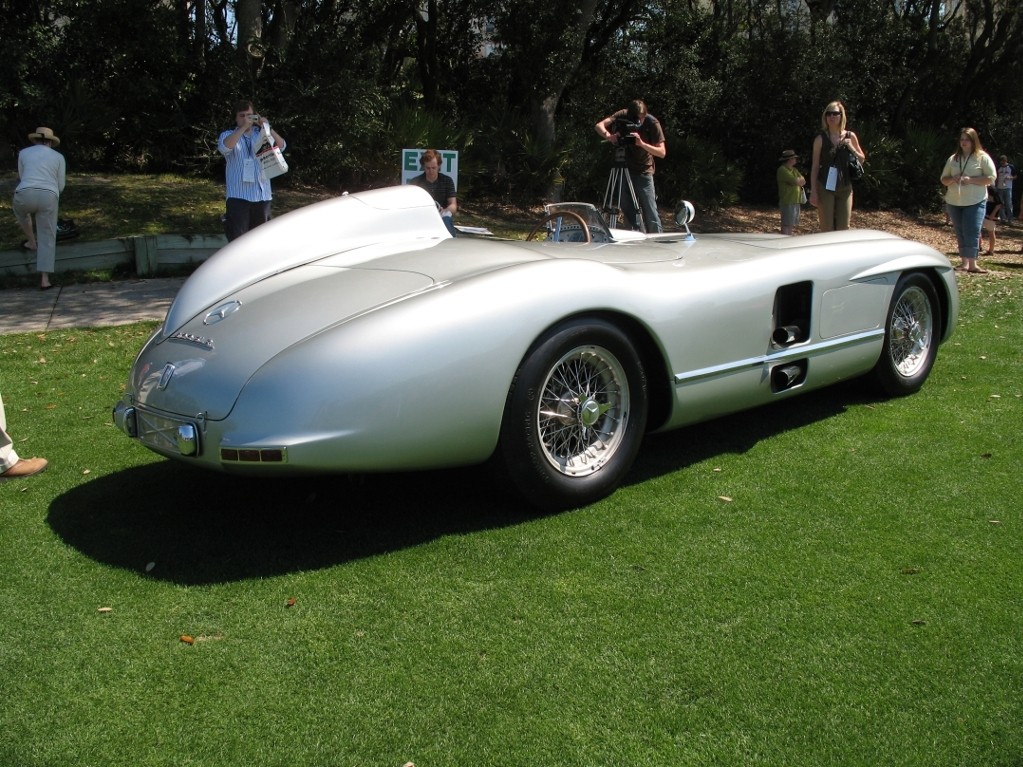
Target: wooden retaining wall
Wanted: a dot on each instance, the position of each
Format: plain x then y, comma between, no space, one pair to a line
147,253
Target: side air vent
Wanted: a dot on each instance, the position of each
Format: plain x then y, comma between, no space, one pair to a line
792,314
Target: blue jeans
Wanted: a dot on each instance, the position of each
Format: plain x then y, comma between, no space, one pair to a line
1006,197
967,221
643,184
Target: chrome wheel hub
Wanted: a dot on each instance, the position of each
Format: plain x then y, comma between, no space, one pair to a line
583,411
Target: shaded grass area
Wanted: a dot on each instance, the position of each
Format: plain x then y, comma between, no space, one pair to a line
834,579
122,205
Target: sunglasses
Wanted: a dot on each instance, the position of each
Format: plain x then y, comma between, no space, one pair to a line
833,114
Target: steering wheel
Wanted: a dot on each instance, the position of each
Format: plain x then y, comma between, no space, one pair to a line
561,214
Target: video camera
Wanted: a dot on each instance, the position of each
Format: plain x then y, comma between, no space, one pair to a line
623,128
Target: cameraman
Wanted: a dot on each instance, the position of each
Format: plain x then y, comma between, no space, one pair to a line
248,188
640,135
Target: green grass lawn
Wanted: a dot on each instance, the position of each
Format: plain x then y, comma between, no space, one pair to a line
831,580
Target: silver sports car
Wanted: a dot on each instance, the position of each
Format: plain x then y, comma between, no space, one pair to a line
356,335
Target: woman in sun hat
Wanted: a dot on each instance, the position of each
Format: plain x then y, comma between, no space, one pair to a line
790,190
41,171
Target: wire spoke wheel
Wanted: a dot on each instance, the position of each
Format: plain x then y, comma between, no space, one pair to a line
912,332
912,329
583,411
575,415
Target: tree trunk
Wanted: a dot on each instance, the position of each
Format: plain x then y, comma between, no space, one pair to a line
249,16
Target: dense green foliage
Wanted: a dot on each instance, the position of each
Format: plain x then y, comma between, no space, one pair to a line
146,85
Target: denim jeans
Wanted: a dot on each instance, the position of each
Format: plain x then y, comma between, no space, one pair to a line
967,221
643,184
1005,195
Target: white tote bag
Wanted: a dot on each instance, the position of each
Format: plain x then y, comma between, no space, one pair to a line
270,157
272,161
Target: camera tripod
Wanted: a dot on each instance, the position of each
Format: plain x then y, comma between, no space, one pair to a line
616,181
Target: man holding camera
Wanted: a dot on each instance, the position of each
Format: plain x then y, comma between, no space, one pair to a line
639,134
248,188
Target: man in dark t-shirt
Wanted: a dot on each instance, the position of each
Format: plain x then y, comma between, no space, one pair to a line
642,137
440,186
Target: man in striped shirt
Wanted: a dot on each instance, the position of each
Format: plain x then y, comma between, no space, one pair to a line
248,188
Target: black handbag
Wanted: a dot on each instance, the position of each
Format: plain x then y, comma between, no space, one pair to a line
854,167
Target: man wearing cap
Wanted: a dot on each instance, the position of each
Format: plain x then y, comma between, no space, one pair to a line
790,190
41,172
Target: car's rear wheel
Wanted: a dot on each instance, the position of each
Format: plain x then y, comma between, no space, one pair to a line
911,337
575,416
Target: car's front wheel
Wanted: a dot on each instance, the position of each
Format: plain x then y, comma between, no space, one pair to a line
911,337
575,415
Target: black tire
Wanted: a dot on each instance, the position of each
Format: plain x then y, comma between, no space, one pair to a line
575,416
912,329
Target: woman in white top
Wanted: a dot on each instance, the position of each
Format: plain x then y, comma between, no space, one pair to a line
41,172
966,176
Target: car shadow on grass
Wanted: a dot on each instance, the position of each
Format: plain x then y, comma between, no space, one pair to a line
198,527
738,433
202,527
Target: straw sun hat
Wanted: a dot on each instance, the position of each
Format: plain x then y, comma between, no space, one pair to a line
43,134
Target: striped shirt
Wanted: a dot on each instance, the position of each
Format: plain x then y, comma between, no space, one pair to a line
257,190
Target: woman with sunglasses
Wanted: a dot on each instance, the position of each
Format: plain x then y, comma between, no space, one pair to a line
830,186
966,176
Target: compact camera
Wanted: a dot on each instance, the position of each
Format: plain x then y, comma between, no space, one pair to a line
254,119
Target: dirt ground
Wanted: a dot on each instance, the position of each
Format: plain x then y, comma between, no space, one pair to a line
928,228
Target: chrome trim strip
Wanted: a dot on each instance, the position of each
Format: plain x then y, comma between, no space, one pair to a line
221,312
191,338
798,351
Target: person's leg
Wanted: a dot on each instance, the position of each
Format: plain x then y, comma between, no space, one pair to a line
971,221
630,212
1005,214
23,215
647,196
259,213
988,228
8,457
826,210
789,218
236,221
46,235
955,217
843,208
